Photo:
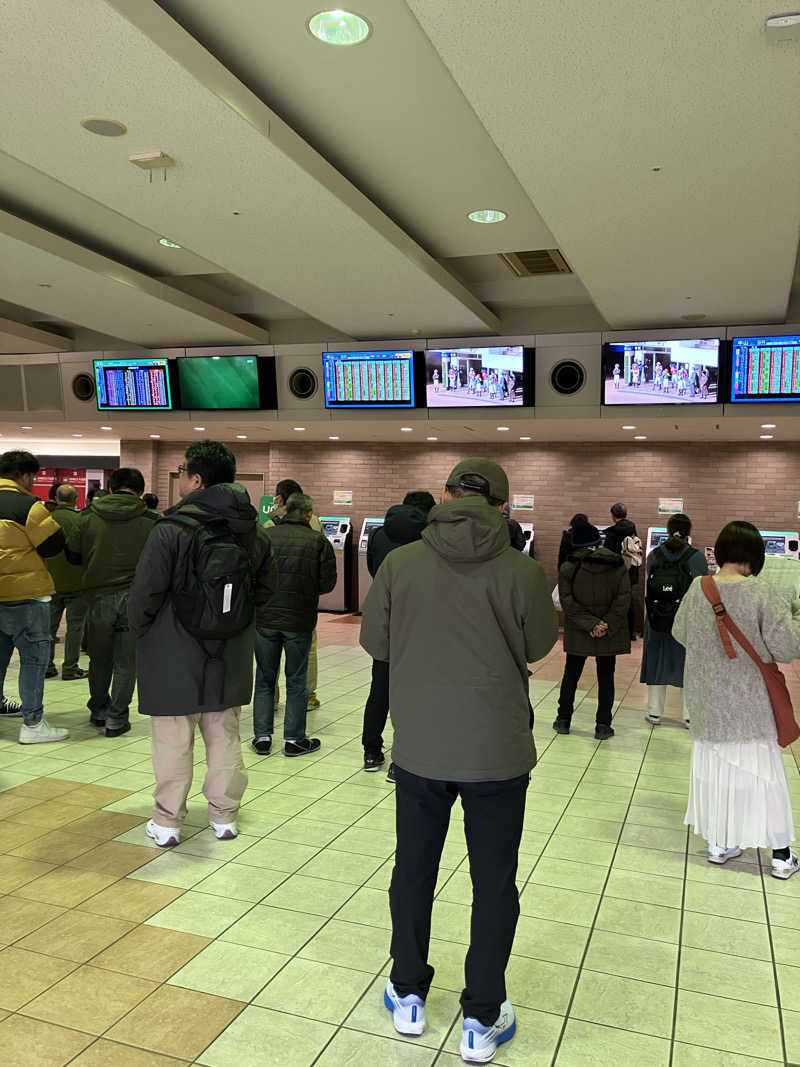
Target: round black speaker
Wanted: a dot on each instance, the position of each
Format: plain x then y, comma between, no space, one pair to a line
567,377
302,383
83,387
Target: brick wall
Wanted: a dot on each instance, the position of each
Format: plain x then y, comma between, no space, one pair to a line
717,483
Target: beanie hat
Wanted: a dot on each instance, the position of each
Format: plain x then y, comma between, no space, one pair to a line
585,535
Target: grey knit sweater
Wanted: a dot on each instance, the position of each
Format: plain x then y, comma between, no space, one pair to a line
726,698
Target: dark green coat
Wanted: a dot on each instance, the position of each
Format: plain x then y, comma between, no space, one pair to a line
68,577
593,586
108,539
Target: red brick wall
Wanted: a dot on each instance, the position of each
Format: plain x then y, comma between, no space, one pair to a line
718,483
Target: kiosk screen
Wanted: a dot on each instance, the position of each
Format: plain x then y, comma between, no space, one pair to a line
331,526
774,545
765,368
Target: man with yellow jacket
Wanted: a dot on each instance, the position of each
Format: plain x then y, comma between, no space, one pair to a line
28,536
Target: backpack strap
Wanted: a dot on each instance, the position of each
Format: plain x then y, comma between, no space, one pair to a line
725,624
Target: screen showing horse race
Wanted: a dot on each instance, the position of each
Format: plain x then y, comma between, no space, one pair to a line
474,377
684,371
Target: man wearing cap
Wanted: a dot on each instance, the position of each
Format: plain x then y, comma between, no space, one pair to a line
459,615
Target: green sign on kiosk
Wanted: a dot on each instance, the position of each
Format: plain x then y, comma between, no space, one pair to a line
265,506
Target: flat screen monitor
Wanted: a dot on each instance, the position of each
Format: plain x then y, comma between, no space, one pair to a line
369,379
475,377
133,384
333,525
684,371
765,368
227,383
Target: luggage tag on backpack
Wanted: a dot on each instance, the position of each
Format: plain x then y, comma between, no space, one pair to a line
227,597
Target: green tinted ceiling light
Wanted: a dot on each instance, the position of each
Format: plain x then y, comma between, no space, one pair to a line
339,27
165,241
487,216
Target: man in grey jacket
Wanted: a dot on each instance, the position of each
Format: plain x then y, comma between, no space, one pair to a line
459,615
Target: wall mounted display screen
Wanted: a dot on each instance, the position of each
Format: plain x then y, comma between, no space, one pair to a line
475,377
682,371
765,369
133,384
369,379
227,383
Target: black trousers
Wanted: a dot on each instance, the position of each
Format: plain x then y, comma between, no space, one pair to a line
376,709
605,683
493,817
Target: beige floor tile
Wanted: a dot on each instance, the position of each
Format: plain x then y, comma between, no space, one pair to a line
13,834
131,899
103,825
89,999
76,936
229,970
315,990
263,1038
54,846
20,917
66,886
176,1022
37,1044
43,788
112,857
27,974
105,1053
11,802
151,952
16,872
52,814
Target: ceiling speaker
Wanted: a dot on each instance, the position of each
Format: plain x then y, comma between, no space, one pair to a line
83,387
303,383
567,377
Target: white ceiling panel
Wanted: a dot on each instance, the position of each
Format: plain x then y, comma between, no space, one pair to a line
584,100
16,337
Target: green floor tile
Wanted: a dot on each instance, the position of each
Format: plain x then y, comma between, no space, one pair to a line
624,1003
650,861
345,867
654,837
349,945
172,869
238,882
277,855
315,990
538,984
632,957
311,895
199,913
584,877
726,976
273,929
639,919
728,1025
589,1045
737,937
725,900
697,1056
229,970
547,940
563,905
644,888
355,1047
263,1038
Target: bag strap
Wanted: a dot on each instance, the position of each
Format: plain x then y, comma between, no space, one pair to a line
725,624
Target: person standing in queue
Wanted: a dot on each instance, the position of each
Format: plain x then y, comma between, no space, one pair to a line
68,580
621,537
566,547
595,592
403,524
459,615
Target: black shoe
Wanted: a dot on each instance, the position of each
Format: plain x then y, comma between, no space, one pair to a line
262,746
602,732
373,761
561,726
117,731
10,709
52,671
74,674
99,723
302,748
390,778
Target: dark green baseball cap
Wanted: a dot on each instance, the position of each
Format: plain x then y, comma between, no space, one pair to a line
480,475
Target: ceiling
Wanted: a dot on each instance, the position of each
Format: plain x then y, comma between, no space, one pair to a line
322,193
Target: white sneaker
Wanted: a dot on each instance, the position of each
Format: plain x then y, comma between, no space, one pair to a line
225,831
654,720
785,868
408,1012
164,836
479,1043
722,855
41,734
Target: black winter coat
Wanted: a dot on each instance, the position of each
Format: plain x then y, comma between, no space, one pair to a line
306,568
613,538
172,667
403,525
593,587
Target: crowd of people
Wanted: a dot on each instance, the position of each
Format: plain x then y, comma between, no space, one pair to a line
199,606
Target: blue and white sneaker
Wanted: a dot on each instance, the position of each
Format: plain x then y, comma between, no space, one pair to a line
408,1012
479,1043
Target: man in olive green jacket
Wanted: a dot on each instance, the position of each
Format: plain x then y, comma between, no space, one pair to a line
459,615
68,580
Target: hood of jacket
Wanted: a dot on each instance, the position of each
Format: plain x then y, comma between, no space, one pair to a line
466,530
597,559
624,528
224,501
404,524
118,507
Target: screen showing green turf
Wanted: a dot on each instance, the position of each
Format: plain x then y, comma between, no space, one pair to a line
219,382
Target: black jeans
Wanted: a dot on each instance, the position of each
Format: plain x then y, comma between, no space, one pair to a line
112,662
493,816
376,709
605,682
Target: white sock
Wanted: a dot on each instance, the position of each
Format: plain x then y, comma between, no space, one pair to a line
264,737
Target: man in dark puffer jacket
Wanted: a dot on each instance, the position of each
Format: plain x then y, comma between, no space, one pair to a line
306,568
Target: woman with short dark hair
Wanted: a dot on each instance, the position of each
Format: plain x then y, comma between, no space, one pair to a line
738,793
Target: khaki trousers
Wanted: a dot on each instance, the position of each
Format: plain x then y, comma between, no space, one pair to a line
173,751
311,676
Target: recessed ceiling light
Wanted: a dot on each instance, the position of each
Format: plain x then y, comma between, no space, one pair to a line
487,216
333,438
640,437
766,436
339,27
26,427
524,438
155,436
628,427
503,429
767,425
241,437
300,429
693,318
104,127
106,427
431,438
165,241
406,429
199,428
77,435
44,285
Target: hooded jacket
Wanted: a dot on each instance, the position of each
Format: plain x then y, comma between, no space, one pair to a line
67,577
171,665
593,587
108,541
403,525
459,615
613,538
28,535
306,567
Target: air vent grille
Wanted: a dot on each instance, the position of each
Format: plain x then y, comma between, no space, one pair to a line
537,262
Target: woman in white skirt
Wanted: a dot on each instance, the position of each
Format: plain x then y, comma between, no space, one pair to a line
738,793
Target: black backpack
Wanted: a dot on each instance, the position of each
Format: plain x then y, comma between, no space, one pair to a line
667,584
215,599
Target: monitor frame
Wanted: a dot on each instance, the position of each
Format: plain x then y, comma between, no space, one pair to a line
722,374
171,377
360,405
729,384
528,381
267,381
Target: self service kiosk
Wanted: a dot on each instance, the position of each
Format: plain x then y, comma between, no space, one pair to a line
656,536
781,543
527,529
364,577
339,532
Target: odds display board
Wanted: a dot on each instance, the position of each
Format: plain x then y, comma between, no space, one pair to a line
133,384
369,379
765,368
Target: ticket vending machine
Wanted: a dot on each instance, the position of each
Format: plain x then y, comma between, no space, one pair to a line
527,529
656,536
364,577
339,532
781,542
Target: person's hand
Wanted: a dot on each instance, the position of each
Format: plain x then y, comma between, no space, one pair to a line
599,630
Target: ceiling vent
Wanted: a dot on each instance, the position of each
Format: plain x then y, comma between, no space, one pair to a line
538,262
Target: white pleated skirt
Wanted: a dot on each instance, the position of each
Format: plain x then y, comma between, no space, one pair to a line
738,795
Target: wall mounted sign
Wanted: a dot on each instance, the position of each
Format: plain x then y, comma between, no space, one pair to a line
522,502
343,497
265,505
669,505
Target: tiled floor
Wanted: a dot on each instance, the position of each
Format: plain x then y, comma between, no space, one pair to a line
272,949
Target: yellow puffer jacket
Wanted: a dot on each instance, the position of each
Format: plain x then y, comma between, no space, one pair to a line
27,535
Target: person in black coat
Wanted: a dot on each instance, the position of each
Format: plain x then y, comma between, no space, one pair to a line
567,544
614,539
403,525
183,682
